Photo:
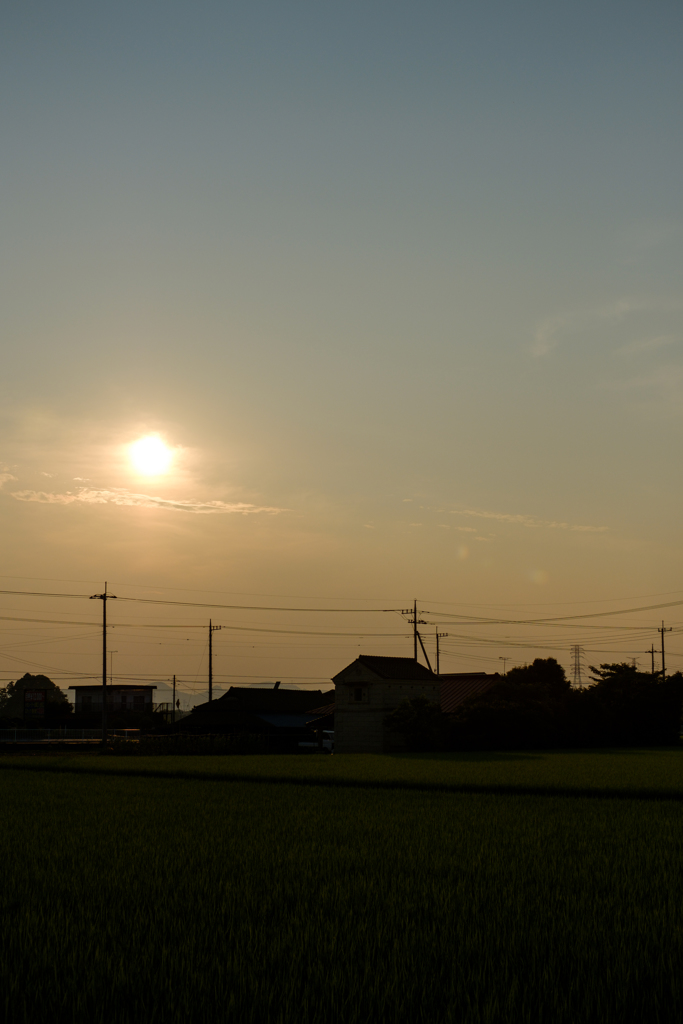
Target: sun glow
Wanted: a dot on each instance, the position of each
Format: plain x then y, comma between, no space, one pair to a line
150,456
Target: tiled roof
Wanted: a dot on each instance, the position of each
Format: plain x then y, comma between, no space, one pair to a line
395,668
258,699
327,709
458,687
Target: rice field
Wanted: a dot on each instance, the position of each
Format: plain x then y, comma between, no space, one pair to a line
658,772
133,899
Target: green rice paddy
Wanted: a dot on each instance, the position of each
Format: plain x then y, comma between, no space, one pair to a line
608,772
145,899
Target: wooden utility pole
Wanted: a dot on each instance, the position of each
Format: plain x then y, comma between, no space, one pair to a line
424,652
652,652
415,630
438,637
415,623
212,630
104,598
662,629
173,705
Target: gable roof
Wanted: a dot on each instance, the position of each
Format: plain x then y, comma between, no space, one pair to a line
257,700
458,686
393,668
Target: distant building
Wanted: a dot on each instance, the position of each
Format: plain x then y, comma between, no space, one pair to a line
370,687
283,715
119,698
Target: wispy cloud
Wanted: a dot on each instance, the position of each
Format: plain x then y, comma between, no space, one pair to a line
529,521
647,345
120,496
615,315
546,336
666,380
5,478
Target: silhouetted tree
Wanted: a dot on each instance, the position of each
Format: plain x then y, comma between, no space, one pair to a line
526,707
12,698
626,707
422,724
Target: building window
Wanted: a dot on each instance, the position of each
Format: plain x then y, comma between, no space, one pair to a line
358,694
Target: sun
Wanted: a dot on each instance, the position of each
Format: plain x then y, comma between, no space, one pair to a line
150,456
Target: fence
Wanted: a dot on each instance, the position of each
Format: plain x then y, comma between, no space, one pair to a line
194,743
63,735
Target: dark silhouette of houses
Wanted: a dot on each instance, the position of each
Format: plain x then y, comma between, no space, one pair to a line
120,698
370,687
283,715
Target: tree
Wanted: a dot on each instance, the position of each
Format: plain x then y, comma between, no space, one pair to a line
12,697
626,707
525,708
422,724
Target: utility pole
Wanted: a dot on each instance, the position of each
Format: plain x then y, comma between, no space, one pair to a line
664,629
104,598
111,667
173,705
415,630
438,637
424,652
505,661
415,622
652,652
212,630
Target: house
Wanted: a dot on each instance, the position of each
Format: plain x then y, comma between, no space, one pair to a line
120,697
370,687
283,715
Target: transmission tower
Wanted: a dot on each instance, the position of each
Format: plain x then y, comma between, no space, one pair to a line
577,666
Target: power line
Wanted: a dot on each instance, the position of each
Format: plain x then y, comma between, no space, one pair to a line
204,604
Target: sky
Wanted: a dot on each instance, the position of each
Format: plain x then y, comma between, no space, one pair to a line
397,285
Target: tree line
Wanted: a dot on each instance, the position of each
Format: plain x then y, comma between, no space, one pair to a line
535,706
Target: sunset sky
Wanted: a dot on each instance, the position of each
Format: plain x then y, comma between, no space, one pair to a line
395,287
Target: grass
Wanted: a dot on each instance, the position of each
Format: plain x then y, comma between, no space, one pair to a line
656,772
130,899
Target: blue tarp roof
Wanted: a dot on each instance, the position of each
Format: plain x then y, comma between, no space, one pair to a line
285,721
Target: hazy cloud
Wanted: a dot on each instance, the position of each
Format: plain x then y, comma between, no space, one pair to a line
647,344
552,330
667,380
120,496
5,478
545,339
529,521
